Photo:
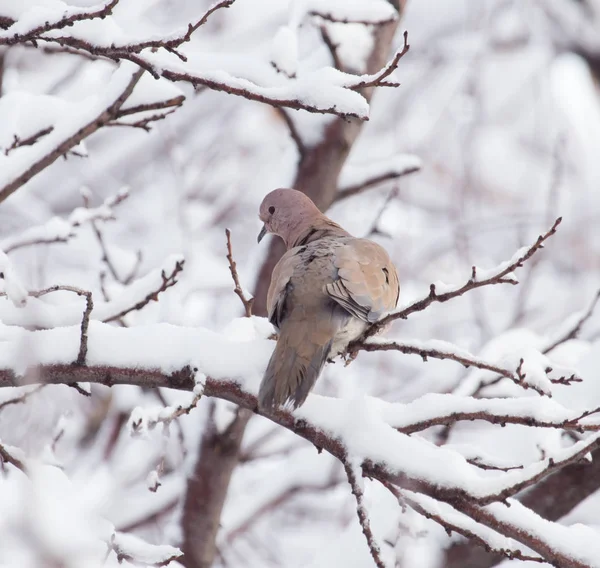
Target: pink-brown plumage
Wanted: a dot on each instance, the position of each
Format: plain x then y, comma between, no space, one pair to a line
325,291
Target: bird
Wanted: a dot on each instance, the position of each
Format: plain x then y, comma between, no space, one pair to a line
325,291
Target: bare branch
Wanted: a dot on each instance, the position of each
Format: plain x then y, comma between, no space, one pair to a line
247,302
576,329
332,47
7,457
29,141
85,320
22,398
353,190
38,235
377,80
143,123
278,501
293,132
363,517
168,280
502,276
328,16
477,462
159,105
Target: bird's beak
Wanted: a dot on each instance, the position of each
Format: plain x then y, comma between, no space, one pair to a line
262,233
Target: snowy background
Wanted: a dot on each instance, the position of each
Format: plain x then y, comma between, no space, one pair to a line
498,109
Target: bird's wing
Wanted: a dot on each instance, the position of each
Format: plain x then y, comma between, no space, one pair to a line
367,282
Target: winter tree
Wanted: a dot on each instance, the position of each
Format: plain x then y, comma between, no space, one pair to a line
463,137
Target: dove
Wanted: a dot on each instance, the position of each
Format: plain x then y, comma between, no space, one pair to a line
325,291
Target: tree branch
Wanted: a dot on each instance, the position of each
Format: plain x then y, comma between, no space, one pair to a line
353,190
184,379
101,120
247,302
363,517
518,376
29,141
7,457
67,21
377,80
293,132
168,280
501,275
573,333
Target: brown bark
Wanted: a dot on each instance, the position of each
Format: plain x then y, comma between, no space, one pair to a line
317,176
207,488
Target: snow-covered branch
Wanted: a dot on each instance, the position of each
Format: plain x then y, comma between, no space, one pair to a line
328,424
82,123
59,230
536,375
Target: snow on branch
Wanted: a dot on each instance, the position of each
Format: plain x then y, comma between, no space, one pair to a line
325,91
33,312
79,123
453,521
353,474
31,23
331,425
133,549
439,292
375,12
58,230
532,374
445,409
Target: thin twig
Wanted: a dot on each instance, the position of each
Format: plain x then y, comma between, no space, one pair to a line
67,21
363,517
477,462
330,17
353,190
247,302
168,280
332,47
465,359
576,329
29,141
85,320
21,399
377,80
293,132
503,276
7,457
67,144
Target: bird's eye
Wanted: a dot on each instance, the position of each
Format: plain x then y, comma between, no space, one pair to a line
271,210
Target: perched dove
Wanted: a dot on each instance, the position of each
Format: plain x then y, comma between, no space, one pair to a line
325,291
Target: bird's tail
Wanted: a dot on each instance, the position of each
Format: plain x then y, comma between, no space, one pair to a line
292,372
